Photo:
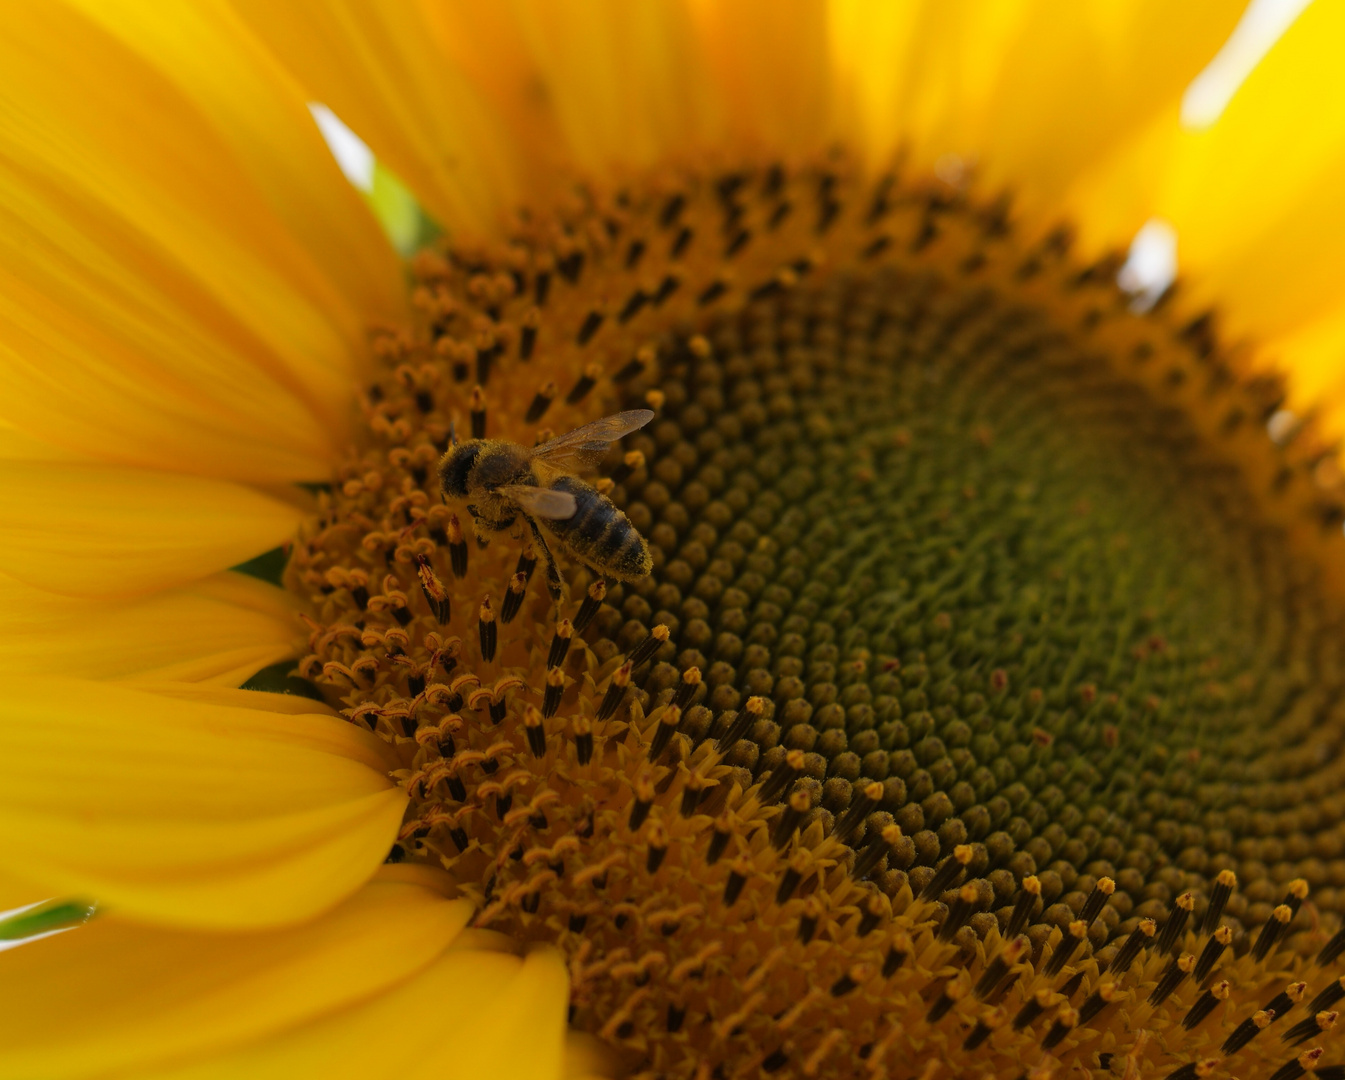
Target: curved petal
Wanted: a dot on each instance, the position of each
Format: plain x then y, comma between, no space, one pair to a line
103,530
116,996
1032,95
209,631
155,308
471,1014
260,111
1255,198
189,814
377,64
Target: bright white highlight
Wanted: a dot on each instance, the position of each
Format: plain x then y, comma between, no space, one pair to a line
1281,425
1152,265
355,159
1260,27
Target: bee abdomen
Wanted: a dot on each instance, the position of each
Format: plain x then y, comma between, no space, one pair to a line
600,533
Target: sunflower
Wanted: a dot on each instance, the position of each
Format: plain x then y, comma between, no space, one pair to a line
981,712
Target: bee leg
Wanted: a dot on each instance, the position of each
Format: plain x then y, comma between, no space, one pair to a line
553,585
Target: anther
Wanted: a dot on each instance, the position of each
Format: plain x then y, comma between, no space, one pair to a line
686,689
560,643
587,381
1328,996
1292,1070
583,740
488,630
792,877
733,887
712,292
1193,1070
1095,1002
666,288
527,338
1077,931
719,841
737,242
781,777
948,872
877,849
1172,977
986,1026
1293,899
1214,948
851,979
676,1014
861,803
477,408
532,725
672,209
632,461
1139,938
668,723
873,914
741,722
790,817
658,848
897,953
555,687
1332,949
953,992
545,396
1224,884
457,547
1272,931
590,326
812,912
435,594
1204,1005
649,646
513,597
636,365
1032,1008
1318,1023
961,909
1175,923
1027,899
1246,1031
1097,900
616,691
1065,1022
644,799
999,967
597,593
691,794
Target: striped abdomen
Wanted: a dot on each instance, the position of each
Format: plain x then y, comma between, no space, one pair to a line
599,533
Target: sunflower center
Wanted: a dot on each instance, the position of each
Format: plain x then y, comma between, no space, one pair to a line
979,707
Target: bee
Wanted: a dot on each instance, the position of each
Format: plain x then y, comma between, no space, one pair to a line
506,481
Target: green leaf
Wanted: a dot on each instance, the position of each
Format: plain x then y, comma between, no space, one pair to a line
280,679
269,565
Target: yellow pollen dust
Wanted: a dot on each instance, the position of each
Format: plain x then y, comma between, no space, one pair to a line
746,879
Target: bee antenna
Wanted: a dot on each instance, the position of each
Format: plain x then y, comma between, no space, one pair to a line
452,433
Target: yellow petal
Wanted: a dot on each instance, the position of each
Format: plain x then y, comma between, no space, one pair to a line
1030,95
1255,198
628,82
210,694
377,65
155,307
773,73
468,1016
185,813
260,110
115,996
102,530
208,631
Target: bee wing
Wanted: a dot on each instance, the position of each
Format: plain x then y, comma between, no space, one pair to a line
541,502
586,445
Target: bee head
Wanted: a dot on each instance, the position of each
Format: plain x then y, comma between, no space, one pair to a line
456,465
